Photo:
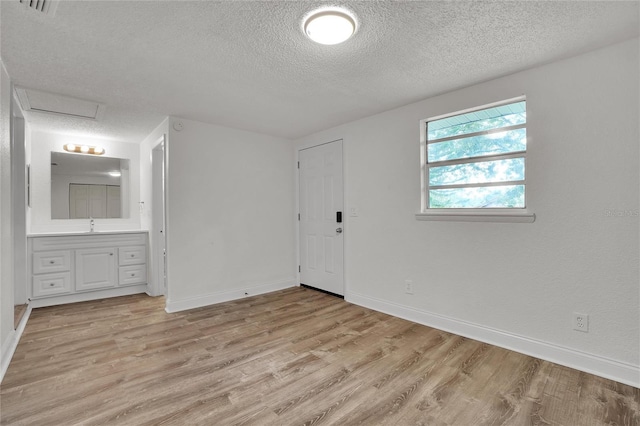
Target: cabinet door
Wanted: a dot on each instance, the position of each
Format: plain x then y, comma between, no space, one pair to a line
113,201
78,201
97,201
95,269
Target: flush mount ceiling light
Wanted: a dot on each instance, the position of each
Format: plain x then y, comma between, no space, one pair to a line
84,149
329,26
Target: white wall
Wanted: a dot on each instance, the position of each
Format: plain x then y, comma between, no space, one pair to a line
6,235
42,143
230,227
513,284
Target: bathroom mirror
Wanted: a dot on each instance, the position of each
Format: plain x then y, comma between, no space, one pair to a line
84,186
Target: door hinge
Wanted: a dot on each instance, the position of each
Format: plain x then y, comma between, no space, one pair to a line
298,216
299,269
298,164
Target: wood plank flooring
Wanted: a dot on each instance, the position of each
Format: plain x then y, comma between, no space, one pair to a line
294,357
18,312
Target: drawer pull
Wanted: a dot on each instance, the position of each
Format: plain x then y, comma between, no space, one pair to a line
52,284
133,275
133,255
52,262
110,254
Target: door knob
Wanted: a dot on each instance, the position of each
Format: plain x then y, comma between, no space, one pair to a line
339,230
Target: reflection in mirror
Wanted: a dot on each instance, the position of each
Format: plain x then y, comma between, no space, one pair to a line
84,186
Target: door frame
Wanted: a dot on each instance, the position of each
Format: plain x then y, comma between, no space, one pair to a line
158,175
296,212
17,128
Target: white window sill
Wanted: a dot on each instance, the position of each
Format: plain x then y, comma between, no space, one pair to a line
478,216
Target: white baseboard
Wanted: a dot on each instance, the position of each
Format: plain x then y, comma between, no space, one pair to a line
600,366
11,343
226,296
87,296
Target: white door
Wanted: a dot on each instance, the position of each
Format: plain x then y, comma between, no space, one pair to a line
321,202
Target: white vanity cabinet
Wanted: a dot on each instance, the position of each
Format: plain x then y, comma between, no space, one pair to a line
68,268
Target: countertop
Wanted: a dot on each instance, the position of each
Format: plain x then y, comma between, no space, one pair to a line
75,233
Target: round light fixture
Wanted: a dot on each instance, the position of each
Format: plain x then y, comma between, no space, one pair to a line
329,27
84,149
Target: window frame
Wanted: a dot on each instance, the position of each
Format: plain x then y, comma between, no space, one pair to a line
505,214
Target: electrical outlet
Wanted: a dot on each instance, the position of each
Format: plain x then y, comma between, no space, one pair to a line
408,286
581,322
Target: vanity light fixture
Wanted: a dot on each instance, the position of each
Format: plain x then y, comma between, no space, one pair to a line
115,173
84,149
329,26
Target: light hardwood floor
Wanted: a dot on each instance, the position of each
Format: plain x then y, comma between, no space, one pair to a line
294,357
18,312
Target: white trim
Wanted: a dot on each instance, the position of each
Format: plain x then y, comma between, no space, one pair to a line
89,295
157,285
11,343
600,366
478,108
474,216
227,296
23,98
480,133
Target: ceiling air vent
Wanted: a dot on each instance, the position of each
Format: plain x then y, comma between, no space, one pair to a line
44,6
51,103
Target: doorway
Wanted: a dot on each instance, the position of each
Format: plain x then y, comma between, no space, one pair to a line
19,211
321,217
158,239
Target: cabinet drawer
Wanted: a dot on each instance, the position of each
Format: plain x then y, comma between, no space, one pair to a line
135,274
51,261
51,284
133,255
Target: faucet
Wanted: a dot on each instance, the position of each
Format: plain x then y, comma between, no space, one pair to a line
91,223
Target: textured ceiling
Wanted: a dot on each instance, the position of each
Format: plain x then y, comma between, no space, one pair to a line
248,65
